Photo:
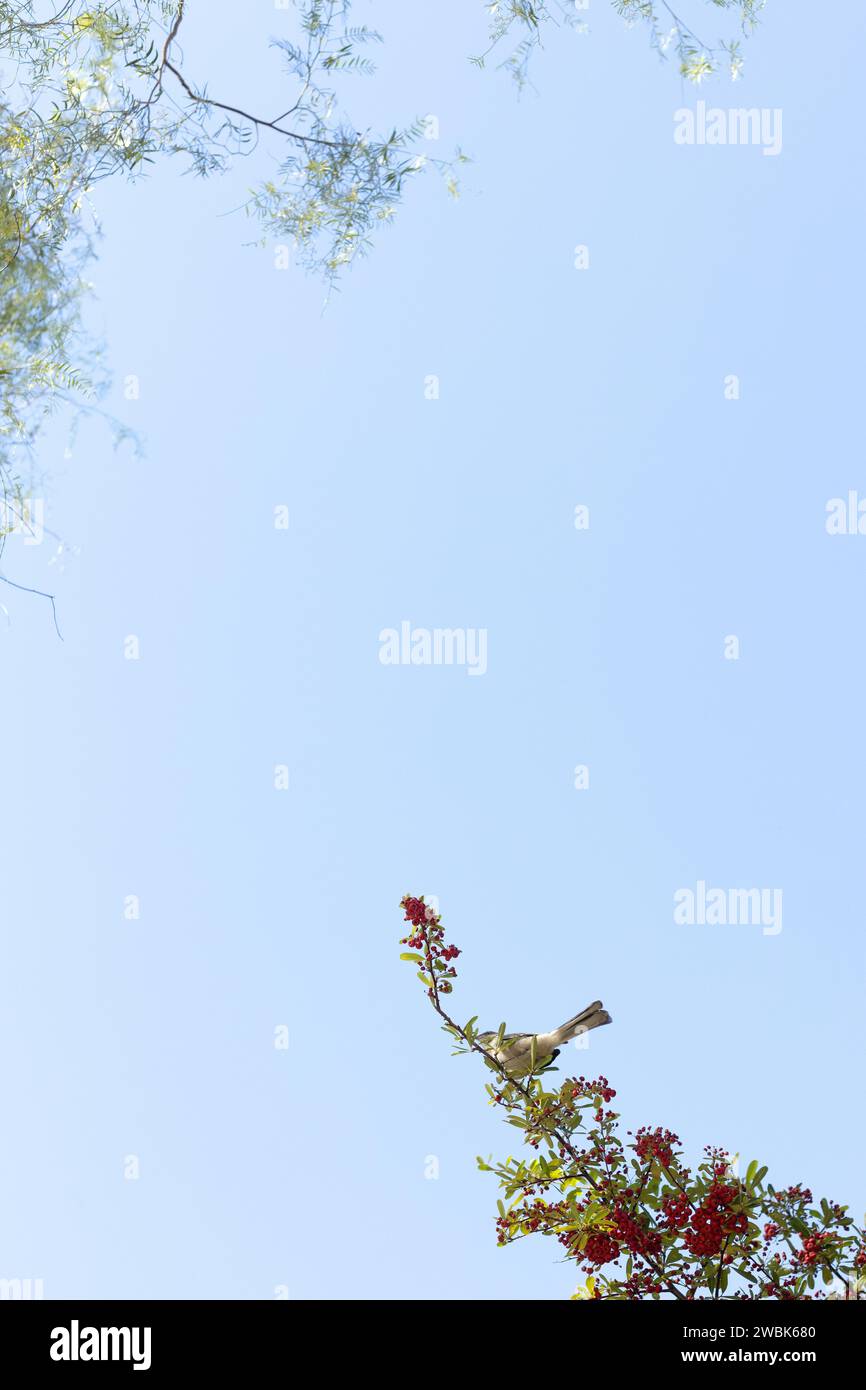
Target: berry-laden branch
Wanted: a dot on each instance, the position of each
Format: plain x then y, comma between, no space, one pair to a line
635,1220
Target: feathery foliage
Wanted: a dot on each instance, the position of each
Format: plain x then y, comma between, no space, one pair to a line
93,89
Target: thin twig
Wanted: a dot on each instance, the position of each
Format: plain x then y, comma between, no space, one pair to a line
25,589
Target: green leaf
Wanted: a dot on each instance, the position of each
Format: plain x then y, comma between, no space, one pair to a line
411,955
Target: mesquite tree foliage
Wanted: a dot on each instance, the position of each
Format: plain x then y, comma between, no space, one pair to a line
526,22
632,1216
90,89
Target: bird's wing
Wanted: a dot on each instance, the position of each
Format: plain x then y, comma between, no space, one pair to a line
522,1042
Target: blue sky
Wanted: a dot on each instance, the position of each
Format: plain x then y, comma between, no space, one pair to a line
259,908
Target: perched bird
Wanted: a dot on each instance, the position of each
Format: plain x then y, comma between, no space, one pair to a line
515,1050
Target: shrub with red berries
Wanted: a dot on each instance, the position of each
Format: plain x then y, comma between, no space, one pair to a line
636,1220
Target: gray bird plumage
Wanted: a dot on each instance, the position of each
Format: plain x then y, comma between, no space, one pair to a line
515,1050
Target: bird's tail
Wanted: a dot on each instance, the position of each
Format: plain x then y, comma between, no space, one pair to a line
593,1016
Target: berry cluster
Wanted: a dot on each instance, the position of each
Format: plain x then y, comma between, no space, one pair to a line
799,1195
639,1285
429,938
417,912
811,1251
600,1249
656,1143
714,1222
677,1211
597,1090
634,1235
